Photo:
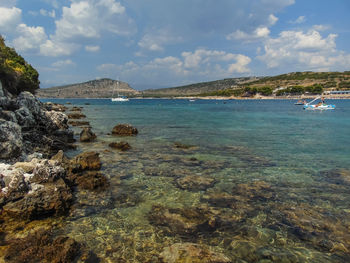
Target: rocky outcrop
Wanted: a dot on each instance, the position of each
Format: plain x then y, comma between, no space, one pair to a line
86,135
124,130
27,126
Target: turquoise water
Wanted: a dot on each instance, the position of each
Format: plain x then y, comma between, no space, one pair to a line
281,190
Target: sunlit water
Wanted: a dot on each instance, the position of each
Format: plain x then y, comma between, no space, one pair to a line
282,180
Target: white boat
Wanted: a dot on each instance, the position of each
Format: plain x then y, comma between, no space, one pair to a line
319,106
119,98
192,100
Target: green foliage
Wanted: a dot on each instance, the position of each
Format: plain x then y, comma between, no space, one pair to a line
344,85
298,90
15,73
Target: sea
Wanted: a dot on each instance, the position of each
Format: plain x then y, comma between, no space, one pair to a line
244,180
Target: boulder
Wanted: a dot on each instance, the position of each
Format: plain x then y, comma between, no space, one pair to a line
50,106
123,146
57,120
79,123
10,140
191,252
25,118
85,161
86,135
124,130
195,182
91,180
28,100
47,172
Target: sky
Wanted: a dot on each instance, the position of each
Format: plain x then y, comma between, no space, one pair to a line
167,43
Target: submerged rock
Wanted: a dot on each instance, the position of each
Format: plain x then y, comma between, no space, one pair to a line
191,252
50,106
42,246
337,176
123,146
124,130
92,180
79,123
86,135
85,161
76,115
195,182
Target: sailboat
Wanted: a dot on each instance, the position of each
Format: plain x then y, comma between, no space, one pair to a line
119,98
319,106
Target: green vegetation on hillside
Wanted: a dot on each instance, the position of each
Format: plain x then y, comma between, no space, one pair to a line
15,73
299,90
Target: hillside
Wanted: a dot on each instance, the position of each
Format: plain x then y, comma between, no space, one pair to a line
295,83
102,88
198,88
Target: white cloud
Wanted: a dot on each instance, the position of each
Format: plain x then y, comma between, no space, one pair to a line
44,12
92,48
63,63
257,34
305,51
30,38
155,40
202,64
299,20
272,19
321,27
55,49
9,18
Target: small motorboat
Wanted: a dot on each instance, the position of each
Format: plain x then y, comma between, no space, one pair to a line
300,102
319,106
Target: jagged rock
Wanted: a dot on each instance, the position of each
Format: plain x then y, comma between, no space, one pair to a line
41,246
10,140
123,146
47,172
27,100
16,186
61,159
27,167
8,115
124,130
85,161
195,182
76,108
191,252
76,115
53,199
86,135
57,120
25,117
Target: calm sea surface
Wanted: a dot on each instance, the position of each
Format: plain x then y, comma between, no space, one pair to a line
254,180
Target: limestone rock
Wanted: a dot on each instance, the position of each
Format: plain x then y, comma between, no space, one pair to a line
47,171
58,120
124,130
10,139
85,161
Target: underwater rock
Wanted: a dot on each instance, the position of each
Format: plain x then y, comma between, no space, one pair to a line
42,246
86,135
76,108
91,180
257,190
191,252
76,115
195,182
85,161
123,146
180,145
337,176
187,221
124,130
79,123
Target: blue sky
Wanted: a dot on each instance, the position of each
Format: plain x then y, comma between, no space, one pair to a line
165,43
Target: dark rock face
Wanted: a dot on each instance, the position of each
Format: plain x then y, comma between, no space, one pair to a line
27,126
11,144
191,252
124,130
87,135
123,146
42,246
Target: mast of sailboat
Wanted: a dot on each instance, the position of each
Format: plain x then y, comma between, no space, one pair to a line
313,100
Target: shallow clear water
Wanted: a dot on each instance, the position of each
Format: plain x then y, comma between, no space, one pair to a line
281,190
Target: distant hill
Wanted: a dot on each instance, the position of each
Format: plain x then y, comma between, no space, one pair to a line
101,88
199,88
291,83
